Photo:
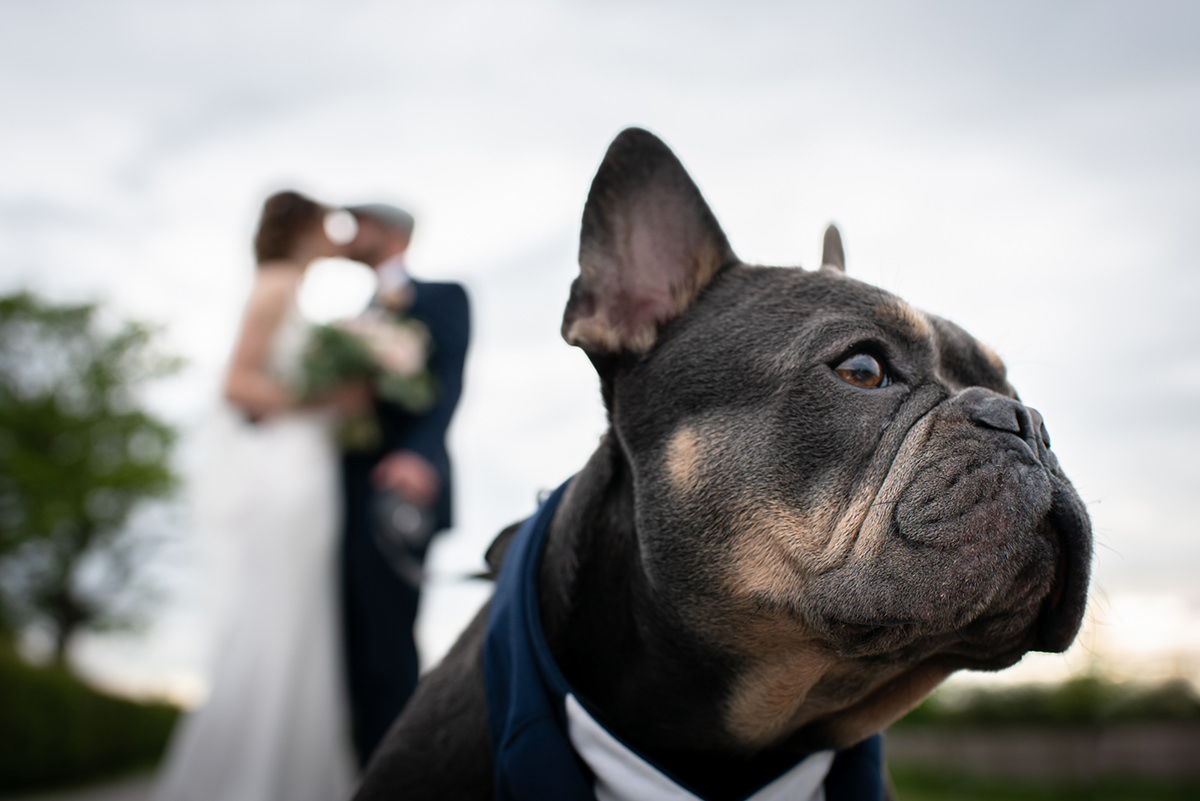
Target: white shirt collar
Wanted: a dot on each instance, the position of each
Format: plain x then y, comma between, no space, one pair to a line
622,775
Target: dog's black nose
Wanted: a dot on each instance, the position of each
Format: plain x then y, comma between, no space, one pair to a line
1006,414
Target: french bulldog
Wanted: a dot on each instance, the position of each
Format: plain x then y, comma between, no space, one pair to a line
813,504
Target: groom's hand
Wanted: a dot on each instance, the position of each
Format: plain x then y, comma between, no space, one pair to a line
410,476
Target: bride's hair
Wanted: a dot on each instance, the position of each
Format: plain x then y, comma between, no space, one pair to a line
286,216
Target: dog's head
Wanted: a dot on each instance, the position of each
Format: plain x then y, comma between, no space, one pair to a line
840,493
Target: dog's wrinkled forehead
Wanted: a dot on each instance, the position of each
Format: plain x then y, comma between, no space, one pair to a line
958,360
909,336
766,323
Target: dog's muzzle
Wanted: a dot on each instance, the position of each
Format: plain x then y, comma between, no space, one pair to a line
1069,528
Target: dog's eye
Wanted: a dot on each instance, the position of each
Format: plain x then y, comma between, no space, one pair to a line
862,370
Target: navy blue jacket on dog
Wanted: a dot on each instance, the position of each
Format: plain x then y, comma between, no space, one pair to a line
534,717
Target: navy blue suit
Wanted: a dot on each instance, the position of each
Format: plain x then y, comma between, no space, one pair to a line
379,608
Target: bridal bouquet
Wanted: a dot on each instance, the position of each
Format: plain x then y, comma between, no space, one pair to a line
389,354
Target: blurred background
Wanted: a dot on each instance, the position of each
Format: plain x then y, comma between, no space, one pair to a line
1029,170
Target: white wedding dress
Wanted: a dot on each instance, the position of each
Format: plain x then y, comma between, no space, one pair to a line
275,726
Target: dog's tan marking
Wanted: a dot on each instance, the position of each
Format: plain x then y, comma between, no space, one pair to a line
803,685
993,359
775,547
886,704
772,553
819,538
769,552
795,681
766,703
900,315
684,460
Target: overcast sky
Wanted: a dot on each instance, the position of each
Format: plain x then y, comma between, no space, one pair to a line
1029,170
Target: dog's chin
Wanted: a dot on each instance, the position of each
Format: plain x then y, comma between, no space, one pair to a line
1043,609
913,643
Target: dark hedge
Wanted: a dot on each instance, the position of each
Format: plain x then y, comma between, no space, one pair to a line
56,730
1086,701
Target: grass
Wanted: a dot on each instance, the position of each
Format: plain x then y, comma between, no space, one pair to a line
1087,703
923,785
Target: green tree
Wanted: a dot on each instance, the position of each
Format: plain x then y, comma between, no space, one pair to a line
77,455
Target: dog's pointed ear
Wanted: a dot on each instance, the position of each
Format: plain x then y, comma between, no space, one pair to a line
648,246
833,256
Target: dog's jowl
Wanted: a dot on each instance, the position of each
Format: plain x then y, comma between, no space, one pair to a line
813,504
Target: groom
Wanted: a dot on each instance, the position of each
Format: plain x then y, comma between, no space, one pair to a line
410,470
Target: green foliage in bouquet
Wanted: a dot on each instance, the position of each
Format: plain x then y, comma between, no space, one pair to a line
335,356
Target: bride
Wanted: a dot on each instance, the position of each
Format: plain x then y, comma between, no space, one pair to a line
275,725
